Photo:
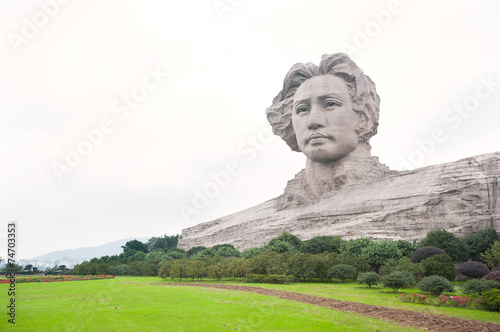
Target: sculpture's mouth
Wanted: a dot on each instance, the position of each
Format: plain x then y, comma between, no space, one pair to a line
317,136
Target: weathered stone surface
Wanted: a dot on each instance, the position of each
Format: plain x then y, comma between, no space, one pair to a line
329,112
461,197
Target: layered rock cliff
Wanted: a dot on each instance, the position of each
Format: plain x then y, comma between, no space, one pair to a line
461,197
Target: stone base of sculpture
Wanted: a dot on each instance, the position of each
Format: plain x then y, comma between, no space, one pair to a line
460,197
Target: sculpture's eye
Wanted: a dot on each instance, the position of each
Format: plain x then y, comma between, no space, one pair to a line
301,109
329,104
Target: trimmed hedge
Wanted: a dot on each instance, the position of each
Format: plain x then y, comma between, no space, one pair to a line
493,275
474,270
425,252
436,285
397,280
369,279
479,286
268,278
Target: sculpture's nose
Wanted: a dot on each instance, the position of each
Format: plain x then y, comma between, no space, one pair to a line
316,118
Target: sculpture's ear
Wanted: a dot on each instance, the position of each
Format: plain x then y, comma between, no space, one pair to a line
362,127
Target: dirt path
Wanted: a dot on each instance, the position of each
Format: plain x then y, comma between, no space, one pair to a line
404,317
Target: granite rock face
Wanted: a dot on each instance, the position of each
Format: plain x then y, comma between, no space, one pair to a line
461,197
329,112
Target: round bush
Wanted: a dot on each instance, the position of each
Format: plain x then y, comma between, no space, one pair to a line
436,285
397,280
492,300
476,286
439,265
369,279
493,275
342,272
425,252
474,270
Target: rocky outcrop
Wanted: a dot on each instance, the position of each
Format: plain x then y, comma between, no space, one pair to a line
461,197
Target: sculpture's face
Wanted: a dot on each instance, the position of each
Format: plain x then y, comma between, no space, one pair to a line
323,119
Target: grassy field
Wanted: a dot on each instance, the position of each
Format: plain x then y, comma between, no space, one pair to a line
134,304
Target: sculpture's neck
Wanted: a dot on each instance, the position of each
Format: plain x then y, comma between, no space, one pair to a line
355,167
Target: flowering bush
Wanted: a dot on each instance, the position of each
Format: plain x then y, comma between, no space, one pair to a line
442,301
456,301
54,278
414,298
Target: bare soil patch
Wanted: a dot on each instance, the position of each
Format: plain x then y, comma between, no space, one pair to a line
404,317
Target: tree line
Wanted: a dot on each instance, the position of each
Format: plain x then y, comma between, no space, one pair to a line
286,254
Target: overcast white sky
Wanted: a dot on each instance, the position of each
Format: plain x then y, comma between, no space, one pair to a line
219,69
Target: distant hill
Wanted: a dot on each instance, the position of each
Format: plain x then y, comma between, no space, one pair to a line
112,248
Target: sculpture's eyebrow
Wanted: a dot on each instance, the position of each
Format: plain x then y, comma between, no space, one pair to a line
322,97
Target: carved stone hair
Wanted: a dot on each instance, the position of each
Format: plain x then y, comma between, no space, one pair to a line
365,99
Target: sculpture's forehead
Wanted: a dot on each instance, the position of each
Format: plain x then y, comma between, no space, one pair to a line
320,86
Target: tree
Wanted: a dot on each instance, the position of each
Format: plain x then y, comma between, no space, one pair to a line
225,250
406,247
303,266
320,244
164,243
287,237
342,272
452,245
492,256
403,264
281,247
440,265
397,280
135,245
378,252
369,279
354,246
180,269
480,242
28,267
193,250
249,253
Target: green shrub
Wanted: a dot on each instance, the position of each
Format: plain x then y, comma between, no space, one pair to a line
268,279
492,255
440,265
320,244
454,246
286,237
473,270
358,261
480,242
425,252
249,253
281,247
342,272
397,280
492,300
388,267
436,285
476,286
369,279
406,247
355,246
378,252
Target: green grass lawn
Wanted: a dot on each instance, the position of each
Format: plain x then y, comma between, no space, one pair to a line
134,304
351,291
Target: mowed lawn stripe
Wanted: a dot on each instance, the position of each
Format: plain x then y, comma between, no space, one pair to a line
122,305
